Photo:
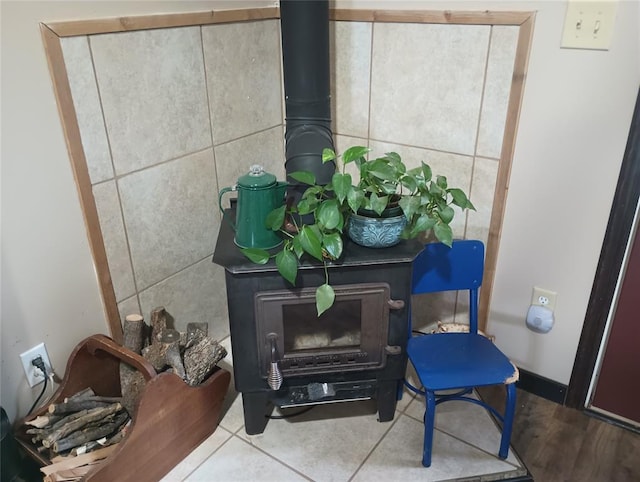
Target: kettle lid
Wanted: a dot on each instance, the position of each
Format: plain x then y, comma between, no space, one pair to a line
257,177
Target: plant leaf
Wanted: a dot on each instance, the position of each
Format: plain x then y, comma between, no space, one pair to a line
409,205
394,156
426,172
328,155
460,198
333,245
304,177
443,233
255,255
325,297
446,214
341,184
287,264
275,219
297,246
441,181
310,242
378,203
328,214
355,199
353,153
422,225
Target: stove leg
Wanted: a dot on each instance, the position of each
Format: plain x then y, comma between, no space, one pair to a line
256,407
387,399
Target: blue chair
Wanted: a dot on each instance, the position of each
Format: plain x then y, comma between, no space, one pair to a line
461,361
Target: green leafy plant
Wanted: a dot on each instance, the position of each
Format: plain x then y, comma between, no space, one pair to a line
426,201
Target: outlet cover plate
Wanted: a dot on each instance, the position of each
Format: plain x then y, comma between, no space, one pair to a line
541,294
34,375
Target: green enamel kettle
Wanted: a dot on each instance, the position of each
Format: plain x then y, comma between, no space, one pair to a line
258,194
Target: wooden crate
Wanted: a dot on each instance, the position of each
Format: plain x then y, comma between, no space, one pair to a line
170,420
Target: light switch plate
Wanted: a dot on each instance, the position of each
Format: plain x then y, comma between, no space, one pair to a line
589,24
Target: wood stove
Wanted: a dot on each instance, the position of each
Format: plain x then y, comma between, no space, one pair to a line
355,351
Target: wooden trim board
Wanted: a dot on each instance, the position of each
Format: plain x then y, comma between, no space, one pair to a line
54,31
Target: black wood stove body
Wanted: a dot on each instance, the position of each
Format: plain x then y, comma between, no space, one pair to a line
285,356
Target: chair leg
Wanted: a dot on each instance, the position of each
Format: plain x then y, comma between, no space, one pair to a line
429,424
507,426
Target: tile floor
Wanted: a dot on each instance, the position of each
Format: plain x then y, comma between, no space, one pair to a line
345,442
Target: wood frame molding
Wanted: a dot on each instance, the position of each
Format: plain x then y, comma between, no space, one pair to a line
614,247
53,32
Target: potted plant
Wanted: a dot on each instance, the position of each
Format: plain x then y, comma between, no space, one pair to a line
422,203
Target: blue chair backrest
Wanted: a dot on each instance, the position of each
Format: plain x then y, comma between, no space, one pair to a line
440,268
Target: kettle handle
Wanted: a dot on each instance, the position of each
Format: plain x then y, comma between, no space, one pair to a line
222,192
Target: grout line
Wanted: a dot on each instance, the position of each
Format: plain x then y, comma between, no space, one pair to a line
175,273
210,455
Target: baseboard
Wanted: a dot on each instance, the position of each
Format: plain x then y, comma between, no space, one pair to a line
542,387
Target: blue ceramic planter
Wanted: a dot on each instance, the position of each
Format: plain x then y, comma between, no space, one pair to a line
375,232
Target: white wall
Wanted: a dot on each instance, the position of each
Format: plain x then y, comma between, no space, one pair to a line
573,129
49,288
572,134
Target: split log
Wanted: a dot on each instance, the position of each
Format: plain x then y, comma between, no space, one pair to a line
158,323
195,333
135,332
89,434
81,419
200,359
166,352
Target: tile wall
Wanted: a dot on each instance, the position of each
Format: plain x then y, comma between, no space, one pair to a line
169,116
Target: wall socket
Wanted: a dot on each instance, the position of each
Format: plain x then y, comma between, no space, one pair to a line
34,375
543,297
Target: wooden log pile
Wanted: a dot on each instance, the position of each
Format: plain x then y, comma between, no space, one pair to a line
76,433
191,355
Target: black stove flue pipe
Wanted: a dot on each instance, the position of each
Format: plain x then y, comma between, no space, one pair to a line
305,55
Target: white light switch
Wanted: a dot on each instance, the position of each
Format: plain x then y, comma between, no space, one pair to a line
589,24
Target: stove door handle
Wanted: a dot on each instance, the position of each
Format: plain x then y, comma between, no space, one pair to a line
274,379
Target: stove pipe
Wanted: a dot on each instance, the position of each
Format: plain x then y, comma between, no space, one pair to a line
305,55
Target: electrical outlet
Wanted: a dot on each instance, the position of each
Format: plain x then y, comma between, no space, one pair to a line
543,297
34,375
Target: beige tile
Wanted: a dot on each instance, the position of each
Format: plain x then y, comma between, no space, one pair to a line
152,86
326,443
399,457
233,159
427,84
350,73
496,92
485,175
194,295
243,77
170,215
232,414
86,101
199,455
237,460
115,239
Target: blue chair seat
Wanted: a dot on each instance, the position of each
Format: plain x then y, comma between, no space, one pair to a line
457,360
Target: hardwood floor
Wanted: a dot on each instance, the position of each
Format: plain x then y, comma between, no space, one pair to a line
560,444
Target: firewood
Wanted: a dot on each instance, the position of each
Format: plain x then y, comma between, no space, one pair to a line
82,418
89,434
195,333
135,333
200,359
166,352
42,421
158,323
78,461
82,404
86,393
